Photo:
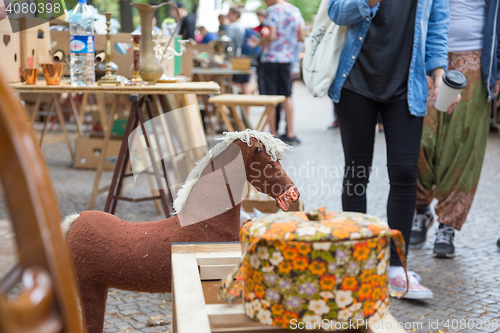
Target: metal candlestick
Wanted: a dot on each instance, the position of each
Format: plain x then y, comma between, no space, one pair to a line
136,71
109,78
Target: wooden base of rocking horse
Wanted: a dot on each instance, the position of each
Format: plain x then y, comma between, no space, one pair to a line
137,116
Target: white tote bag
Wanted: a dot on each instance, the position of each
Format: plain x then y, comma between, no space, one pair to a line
322,53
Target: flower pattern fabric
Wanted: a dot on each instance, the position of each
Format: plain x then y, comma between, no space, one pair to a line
314,267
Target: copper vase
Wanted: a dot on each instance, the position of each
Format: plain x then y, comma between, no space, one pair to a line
151,69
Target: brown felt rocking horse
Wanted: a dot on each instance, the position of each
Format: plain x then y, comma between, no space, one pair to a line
110,253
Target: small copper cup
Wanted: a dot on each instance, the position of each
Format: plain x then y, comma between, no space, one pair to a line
53,73
30,75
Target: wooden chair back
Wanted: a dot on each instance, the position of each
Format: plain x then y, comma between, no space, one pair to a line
48,300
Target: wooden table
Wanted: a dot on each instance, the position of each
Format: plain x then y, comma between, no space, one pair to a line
197,270
227,103
221,75
198,88
65,87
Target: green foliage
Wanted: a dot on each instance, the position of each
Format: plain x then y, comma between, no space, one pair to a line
308,8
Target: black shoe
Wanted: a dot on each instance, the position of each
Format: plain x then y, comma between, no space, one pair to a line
498,242
421,223
290,141
443,248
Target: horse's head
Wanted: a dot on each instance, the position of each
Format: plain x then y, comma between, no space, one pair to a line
265,172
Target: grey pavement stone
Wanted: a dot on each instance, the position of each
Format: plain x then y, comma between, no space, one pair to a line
141,319
129,312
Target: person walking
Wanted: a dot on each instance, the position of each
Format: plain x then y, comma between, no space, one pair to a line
278,53
188,21
389,47
237,32
453,145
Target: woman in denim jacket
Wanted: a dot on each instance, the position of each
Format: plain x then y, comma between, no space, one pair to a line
453,145
390,47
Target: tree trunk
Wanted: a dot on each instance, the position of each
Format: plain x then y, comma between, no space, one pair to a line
126,16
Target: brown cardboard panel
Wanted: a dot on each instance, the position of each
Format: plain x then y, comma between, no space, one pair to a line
10,50
33,52
60,42
88,151
269,206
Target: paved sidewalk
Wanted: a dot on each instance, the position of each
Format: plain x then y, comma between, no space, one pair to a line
466,287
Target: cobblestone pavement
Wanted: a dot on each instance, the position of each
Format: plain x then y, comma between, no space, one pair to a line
466,287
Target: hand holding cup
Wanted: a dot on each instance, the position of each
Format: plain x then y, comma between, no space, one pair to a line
447,88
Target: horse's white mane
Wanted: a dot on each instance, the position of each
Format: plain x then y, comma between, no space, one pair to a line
274,148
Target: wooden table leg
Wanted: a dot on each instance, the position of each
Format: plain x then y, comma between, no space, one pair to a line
167,135
76,115
221,110
102,110
264,119
83,106
149,111
123,159
63,126
237,118
36,108
104,150
45,123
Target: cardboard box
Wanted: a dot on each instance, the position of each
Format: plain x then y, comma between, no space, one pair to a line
241,63
10,49
35,42
88,151
123,58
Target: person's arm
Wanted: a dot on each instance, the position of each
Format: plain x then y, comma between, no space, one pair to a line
301,34
269,38
497,86
436,44
270,23
350,12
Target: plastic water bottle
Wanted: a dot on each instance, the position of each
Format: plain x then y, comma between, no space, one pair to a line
81,27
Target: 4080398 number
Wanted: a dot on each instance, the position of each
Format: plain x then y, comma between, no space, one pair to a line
33,8
471,324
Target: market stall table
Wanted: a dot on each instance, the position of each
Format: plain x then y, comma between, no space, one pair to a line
198,88
227,103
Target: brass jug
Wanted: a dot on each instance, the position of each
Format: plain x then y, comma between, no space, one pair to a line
151,69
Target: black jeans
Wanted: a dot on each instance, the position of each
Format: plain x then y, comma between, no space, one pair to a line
357,117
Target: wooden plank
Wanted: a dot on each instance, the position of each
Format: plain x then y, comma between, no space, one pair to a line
200,88
206,247
210,292
215,272
220,71
246,100
232,315
189,302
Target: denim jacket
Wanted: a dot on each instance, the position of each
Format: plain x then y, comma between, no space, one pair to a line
491,49
430,44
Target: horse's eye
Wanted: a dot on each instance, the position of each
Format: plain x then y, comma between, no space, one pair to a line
269,166
259,149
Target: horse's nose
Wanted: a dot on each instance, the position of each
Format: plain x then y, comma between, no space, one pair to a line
292,194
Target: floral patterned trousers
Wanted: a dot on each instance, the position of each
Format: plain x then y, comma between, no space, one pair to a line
453,146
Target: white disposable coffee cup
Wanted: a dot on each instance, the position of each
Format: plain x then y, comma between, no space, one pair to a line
453,83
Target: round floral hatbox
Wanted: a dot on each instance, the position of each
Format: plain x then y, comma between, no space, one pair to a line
323,269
